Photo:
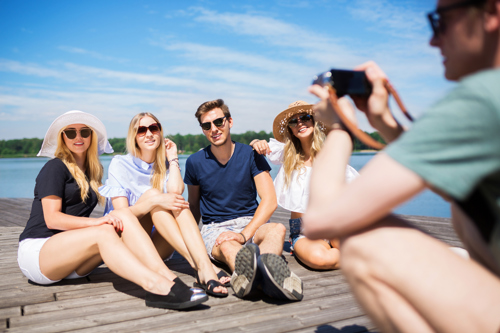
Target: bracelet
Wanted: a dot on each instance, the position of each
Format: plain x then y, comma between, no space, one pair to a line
244,238
174,159
176,164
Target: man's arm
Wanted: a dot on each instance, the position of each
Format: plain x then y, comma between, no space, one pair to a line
267,206
194,201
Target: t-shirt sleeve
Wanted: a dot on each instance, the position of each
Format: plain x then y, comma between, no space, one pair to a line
52,179
455,144
258,164
190,174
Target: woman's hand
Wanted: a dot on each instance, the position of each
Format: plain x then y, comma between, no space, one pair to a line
260,146
170,149
173,202
109,219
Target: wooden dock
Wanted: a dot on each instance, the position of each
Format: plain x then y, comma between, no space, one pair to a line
104,302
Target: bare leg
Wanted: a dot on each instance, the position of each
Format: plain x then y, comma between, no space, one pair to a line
317,254
181,231
139,243
73,250
410,282
270,238
226,252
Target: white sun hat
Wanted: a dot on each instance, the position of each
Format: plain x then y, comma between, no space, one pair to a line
49,144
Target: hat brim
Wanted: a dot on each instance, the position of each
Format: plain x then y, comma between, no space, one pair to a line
280,124
49,144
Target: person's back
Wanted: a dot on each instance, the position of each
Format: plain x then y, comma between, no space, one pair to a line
454,149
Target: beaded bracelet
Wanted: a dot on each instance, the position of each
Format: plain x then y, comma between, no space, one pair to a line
174,159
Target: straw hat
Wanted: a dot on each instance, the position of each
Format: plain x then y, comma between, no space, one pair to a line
280,124
49,144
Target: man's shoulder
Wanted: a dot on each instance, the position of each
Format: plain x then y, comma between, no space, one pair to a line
483,85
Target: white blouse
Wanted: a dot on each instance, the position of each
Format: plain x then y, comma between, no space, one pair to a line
296,196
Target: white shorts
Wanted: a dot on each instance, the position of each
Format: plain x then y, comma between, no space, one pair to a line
28,258
211,231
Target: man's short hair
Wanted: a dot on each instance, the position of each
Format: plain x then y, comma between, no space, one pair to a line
209,106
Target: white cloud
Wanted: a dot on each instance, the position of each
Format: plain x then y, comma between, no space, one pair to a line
92,54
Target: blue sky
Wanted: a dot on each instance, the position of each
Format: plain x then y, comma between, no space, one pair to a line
117,58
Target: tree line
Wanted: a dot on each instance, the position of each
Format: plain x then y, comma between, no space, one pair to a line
186,144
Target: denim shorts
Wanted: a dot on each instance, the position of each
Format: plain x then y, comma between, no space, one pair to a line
295,231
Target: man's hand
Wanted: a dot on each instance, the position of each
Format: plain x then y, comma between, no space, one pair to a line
229,236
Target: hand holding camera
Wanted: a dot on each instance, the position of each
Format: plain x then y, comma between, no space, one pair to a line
369,88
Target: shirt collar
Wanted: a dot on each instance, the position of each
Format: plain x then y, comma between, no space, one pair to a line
141,164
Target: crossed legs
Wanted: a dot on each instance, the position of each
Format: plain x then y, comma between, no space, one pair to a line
270,238
409,282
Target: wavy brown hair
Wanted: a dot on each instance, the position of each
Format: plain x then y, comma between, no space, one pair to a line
293,153
92,165
160,165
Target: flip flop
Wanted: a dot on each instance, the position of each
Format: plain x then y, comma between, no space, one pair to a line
222,274
209,288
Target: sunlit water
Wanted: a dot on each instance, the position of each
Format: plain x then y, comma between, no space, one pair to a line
17,180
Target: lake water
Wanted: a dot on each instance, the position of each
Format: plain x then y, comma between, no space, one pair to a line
17,180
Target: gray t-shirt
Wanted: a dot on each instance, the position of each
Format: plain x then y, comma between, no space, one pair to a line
455,147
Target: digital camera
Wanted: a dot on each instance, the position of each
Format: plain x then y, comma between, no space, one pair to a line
345,82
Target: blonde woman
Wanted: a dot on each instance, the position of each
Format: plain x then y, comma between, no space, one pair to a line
61,241
298,138
148,180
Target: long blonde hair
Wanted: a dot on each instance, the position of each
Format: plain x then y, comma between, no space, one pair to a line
92,165
160,165
294,155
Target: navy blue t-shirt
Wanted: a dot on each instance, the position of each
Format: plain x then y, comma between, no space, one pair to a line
226,191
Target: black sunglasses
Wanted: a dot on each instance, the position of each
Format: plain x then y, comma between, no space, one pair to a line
153,128
435,17
219,122
71,133
304,118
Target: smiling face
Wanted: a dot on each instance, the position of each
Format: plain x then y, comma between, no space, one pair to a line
462,42
78,145
148,142
218,136
303,129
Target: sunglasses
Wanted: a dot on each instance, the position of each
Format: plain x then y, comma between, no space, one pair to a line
153,128
436,20
304,118
219,122
71,133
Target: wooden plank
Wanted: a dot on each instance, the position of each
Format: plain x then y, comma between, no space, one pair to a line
105,302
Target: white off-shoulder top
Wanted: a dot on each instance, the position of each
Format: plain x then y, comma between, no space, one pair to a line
296,196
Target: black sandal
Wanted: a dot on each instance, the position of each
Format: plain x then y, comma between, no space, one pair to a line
222,274
209,287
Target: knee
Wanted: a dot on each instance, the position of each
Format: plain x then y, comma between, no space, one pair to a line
104,232
322,259
278,229
357,259
226,249
150,193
